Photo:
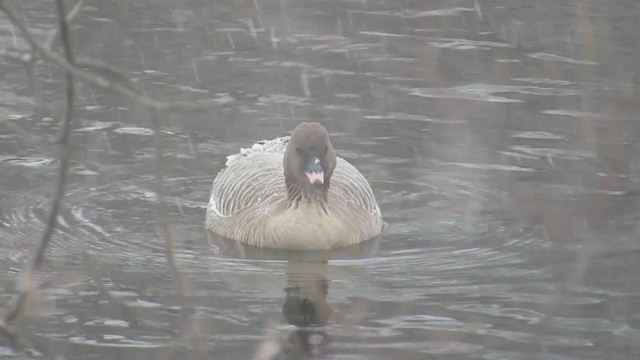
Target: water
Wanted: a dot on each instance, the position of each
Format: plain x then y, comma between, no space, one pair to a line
500,139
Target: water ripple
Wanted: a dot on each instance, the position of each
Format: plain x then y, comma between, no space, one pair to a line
554,57
33,162
484,92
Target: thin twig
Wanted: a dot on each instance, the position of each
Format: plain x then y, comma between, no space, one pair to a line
27,282
155,105
112,79
24,345
127,312
54,33
180,282
574,278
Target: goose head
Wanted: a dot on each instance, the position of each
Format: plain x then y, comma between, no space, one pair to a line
309,161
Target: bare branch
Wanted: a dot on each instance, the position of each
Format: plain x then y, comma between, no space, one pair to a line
54,33
27,282
22,344
127,313
574,278
108,77
155,105
180,282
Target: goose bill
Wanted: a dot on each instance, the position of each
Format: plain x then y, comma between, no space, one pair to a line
314,171
316,178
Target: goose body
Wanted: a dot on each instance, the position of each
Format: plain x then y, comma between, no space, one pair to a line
293,193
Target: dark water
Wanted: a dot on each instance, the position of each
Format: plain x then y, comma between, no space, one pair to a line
500,138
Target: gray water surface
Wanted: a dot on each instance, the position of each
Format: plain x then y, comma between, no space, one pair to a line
500,138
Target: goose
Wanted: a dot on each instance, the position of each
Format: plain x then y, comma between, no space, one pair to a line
293,193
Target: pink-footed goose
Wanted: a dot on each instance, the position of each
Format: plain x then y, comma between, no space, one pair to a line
293,193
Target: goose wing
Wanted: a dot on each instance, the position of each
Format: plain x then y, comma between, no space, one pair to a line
349,185
254,177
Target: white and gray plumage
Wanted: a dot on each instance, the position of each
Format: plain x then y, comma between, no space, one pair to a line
293,193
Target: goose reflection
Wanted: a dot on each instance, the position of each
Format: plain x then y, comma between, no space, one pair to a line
306,307
307,287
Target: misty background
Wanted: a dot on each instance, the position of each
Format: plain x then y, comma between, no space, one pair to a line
500,139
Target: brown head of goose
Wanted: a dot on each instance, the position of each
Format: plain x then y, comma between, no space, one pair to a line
293,194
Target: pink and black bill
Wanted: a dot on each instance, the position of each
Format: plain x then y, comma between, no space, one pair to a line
314,171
